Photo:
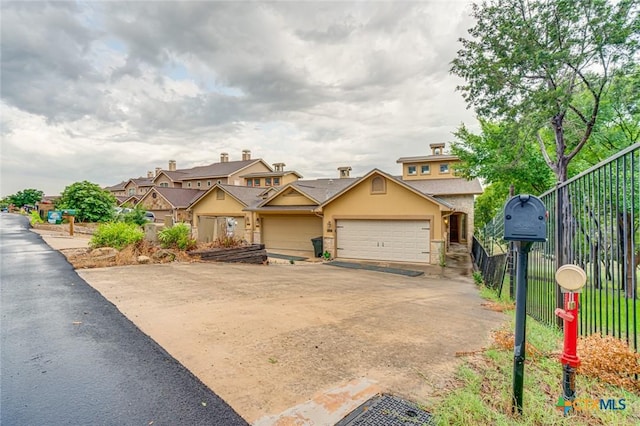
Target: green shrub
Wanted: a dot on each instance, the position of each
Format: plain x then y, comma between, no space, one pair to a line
477,277
34,218
117,235
136,216
178,236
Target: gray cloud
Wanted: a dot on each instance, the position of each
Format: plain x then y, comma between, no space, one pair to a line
312,84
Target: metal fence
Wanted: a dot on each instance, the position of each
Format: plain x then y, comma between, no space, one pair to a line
593,222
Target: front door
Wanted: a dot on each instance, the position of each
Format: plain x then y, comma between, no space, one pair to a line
454,226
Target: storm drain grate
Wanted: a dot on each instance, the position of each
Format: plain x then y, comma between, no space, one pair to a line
387,410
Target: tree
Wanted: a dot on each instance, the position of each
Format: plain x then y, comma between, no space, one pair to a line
25,197
93,204
492,157
527,61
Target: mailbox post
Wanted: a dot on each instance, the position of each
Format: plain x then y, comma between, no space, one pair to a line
525,219
70,214
571,279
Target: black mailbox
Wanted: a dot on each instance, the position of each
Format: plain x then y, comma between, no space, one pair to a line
525,219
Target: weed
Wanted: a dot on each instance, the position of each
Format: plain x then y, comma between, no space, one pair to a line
477,278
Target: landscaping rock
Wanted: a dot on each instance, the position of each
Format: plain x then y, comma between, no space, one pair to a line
144,259
164,255
104,251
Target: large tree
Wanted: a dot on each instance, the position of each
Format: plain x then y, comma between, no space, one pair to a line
25,197
93,204
530,62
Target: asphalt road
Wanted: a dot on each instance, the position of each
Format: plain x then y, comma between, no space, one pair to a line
69,357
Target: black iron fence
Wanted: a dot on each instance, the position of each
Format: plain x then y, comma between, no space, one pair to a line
593,222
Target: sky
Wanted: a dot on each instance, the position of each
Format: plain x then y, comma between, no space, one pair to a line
106,91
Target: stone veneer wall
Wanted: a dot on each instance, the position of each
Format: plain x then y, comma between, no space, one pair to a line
463,203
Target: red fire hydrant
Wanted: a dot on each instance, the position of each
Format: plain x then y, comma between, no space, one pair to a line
571,279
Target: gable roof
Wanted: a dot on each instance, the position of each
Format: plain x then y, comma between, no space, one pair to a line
117,186
140,181
316,190
177,197
452,186
245,195
402,183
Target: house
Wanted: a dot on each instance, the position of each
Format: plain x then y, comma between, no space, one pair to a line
173,202
413,218
204,177
213,211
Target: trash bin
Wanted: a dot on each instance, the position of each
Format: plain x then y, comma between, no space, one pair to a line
317,246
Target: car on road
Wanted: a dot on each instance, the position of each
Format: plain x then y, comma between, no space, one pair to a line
150,216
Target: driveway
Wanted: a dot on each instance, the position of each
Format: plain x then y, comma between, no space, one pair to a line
267,338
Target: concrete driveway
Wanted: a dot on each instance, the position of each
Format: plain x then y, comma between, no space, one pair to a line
269,338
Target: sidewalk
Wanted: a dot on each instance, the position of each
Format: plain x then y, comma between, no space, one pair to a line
63,241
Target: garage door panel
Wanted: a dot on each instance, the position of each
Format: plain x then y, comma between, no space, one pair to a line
292,233
394,240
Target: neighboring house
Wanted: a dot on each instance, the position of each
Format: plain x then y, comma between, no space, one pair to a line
204,177
222,203
172,202
278,177
287,219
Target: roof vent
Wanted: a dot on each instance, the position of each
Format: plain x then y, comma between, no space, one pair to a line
224,157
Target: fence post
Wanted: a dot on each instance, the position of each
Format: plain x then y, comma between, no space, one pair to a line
559,252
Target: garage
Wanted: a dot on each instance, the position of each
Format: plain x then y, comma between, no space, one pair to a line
290,232
391,240
210,228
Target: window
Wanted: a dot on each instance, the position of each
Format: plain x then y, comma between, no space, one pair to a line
164,184
189,184
437,151
267,181
411,170
219,194
208,183
444,168
198,184
424,169
378,185
132,191
276,181
256,182
249,182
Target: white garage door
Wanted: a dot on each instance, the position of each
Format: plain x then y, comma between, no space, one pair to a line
395,240
290,233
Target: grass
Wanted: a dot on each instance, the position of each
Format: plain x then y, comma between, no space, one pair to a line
481,394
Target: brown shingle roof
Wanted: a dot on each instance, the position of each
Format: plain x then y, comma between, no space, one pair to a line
179,197
246,194
453,186
427,158
216,169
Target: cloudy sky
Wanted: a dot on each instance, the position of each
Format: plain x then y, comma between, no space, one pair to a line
104,91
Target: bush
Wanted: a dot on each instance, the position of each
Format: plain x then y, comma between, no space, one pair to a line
34,218
117,235
136,215
178,236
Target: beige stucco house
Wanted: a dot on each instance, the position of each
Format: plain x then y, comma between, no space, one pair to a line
414,217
